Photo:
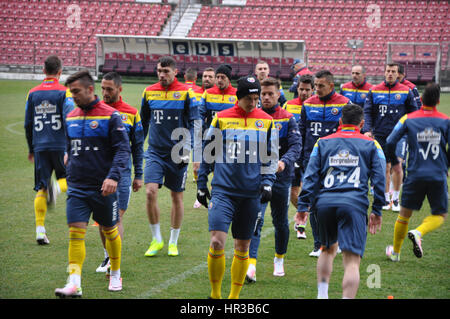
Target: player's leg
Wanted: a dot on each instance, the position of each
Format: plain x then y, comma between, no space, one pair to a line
387,195
59,184
78,212
327,233
437,194
397,179
254,245
175,180
243,226
220,215
280,220
350,282
42,174
315,232
153,180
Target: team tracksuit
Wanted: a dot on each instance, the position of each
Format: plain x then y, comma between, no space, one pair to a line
337,176
357,94
290,145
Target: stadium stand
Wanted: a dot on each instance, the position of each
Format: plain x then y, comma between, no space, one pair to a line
49,27
32,29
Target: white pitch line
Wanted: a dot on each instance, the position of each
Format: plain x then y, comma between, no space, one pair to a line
10,129
194,270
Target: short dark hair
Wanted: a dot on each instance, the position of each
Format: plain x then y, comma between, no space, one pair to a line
52,65
190,74
352,114
325,74
209,69
167,61
271,81
83,76
431,94
392,64
306,78
113,76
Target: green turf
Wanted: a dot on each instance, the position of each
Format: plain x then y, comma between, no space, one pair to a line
31,271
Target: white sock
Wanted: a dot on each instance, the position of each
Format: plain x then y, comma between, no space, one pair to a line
387,197
322,288
278,260
75,279
40,229
156,232
115,273
395,195
174,233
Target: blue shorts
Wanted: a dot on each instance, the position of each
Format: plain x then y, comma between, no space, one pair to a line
124,189
414,192
81,203
45,163
344,224
402,148
161,169
239,212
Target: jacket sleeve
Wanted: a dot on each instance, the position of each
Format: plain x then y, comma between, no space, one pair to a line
410,103
145,114
28,125
311,181
269,166
368,112
120,146
294,85
282,100
302,129
195,124
397,133
202,110
137,146
378,178
208,156
294,143
416,95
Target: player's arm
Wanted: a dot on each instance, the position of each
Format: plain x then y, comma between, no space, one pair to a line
28,125
282,100
378,178
410,103
294,143
416,94
302,129
202,110
195,124
310,181
120,145
269,165
397,133
137,149
368,114
145,114
294,85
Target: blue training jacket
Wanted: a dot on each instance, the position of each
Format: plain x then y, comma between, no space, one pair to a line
339,170
98,146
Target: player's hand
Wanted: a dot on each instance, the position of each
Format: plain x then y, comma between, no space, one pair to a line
266,193
196,167
374,223
369,134
202,196
31,157
301,218
281,166
137,184
109,187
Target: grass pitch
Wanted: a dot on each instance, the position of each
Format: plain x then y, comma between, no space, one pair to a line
31,271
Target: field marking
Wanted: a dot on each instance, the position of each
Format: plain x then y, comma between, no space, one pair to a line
10,129
194,270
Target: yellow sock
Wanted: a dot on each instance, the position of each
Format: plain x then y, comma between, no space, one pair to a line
62,182
113,247
216,270
279,256
77,250
400,231
430,223
252,261
40,207
238,271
